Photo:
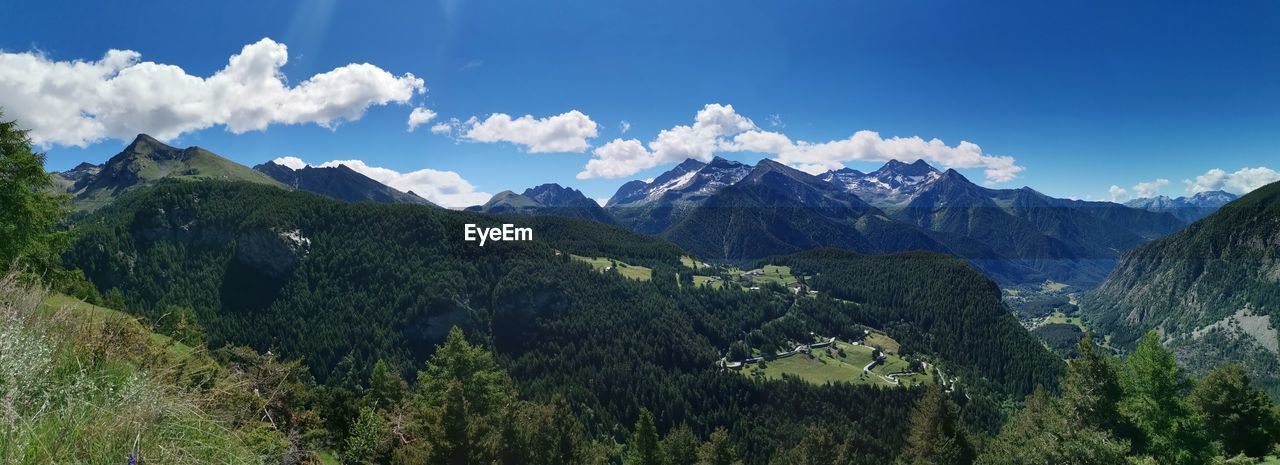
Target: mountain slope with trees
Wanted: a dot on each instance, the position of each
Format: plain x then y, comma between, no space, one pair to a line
344,285
1212,290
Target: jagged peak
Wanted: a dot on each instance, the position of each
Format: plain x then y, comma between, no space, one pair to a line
847,170
723,162
690,164
916,168
145,142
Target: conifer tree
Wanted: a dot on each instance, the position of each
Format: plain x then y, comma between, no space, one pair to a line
643,447
935,436
1237,416
1154,386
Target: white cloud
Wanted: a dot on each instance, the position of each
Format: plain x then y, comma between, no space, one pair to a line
81,102
420,116
618,158
626,157
444,188
1150,188
1118,194
1241,182
566,132
294,163
624,126
446,127
775,120
869,146
602,202
718,128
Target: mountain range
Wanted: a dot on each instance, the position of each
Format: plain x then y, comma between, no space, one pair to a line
147,161
1189,209
547,199
730,211
338,182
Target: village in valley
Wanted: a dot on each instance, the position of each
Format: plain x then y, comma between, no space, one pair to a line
871,358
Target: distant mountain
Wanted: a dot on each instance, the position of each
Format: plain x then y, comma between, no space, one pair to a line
1212,290
338,182
652,207
1024,231
728,210
776,210
1189,209
547,199
892,185
145,161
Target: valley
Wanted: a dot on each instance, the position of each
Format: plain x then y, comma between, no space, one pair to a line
353,281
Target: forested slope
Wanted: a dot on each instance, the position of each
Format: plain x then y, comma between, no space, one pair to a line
1212,289
343,285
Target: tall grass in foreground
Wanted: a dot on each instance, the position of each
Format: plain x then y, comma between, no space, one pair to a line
95,390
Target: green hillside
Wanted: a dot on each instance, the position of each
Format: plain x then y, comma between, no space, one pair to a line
85,384
342,286
1211,290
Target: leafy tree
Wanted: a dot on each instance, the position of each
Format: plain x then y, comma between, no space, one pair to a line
29,213
643,447
1154,386
1237,416
935,436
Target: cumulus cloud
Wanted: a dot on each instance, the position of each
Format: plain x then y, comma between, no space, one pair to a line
870,146
699,141
566,132
291,162
1241,182
718,128
118,96
446,127
444,188
1118,194
618,158
420,116
1150,188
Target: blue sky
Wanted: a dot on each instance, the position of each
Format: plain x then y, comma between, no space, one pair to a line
1085,97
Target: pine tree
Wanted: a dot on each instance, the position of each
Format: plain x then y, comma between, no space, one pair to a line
1238,417
935,436
717,450
1154,386
680,446
368,440
643,448
451,442
386,387
29,214
1042,434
